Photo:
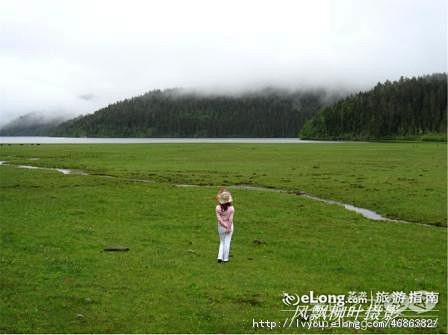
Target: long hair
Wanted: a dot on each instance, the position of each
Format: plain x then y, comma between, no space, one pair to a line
225,206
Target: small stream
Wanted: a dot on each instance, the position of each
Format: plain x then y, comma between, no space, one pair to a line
367,213
63,171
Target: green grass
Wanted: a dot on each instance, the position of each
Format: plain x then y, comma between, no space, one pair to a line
428,137
400,180
55,278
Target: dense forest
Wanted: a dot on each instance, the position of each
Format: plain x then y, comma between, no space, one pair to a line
407,108
32,124
179,113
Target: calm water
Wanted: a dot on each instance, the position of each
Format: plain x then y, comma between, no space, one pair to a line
76,140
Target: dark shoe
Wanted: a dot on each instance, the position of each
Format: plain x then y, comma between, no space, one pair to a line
225,262
219,260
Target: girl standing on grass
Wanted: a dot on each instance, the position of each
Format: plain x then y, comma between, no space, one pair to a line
224,215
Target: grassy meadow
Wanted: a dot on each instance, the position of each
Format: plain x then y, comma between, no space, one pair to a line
55,277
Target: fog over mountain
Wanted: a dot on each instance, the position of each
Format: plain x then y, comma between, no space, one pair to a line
66,58
33,123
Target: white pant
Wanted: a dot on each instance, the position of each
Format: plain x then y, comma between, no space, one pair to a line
224,244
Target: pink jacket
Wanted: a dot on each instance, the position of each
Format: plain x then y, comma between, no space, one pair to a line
225,218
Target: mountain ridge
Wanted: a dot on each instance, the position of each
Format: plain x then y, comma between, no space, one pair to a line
407,107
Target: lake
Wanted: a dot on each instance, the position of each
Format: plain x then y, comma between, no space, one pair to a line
89,140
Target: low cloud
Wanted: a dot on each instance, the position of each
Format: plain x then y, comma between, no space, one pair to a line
87,96
55,52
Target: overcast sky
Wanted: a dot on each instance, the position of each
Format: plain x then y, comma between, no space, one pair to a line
77,56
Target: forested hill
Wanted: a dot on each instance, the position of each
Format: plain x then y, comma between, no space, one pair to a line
407,108
179,113
32,124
